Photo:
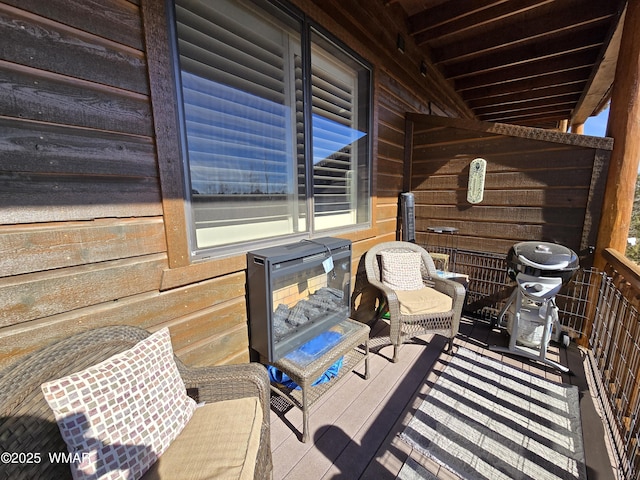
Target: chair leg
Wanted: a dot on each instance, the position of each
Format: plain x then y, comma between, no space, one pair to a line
396,353
450,347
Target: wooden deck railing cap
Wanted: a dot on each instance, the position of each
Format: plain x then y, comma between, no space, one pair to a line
625,267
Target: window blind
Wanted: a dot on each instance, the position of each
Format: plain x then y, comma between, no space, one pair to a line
239,118
335,135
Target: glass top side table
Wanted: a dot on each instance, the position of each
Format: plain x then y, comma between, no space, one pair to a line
305,364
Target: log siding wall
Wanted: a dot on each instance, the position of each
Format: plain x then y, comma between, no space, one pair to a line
91,213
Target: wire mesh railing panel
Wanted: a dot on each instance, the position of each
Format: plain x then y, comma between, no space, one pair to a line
615,362
489,285
576,301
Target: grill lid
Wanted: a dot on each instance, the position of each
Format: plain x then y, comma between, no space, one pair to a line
543,259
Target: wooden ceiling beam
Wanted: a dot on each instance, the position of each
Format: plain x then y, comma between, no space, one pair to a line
576,76
521,32
565,102
447,13
546,124
543,94
532,70
425,28
529,116
596,94
561,112
590,38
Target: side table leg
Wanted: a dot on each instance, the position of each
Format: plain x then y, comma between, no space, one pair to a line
366,359
305,416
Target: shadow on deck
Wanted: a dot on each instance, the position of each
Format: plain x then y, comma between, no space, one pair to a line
355,428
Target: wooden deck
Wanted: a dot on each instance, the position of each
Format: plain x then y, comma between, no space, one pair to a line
355,427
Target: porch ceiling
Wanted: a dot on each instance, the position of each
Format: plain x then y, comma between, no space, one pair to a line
525,62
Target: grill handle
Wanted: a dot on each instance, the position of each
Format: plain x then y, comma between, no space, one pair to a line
529,263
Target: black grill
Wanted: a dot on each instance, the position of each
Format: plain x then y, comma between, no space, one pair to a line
542,259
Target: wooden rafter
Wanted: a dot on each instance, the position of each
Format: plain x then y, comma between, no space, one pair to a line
521,61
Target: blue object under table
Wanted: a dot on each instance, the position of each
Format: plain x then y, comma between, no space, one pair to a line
307,373
307,353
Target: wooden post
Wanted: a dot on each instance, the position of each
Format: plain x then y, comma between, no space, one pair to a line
563,126
577,128
624,127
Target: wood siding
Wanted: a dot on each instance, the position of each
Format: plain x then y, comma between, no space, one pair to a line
92,223
539,184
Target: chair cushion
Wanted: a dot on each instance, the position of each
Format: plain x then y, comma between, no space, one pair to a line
121,414
401,270
221,441
423,301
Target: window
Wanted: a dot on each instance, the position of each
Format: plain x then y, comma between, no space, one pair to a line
275,124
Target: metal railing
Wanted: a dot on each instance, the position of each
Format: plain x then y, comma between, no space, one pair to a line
614,354
489,286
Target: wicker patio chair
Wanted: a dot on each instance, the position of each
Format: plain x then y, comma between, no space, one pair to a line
27,424
403,327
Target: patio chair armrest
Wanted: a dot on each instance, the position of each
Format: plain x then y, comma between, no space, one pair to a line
450,287
392,297
227,382
453,289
